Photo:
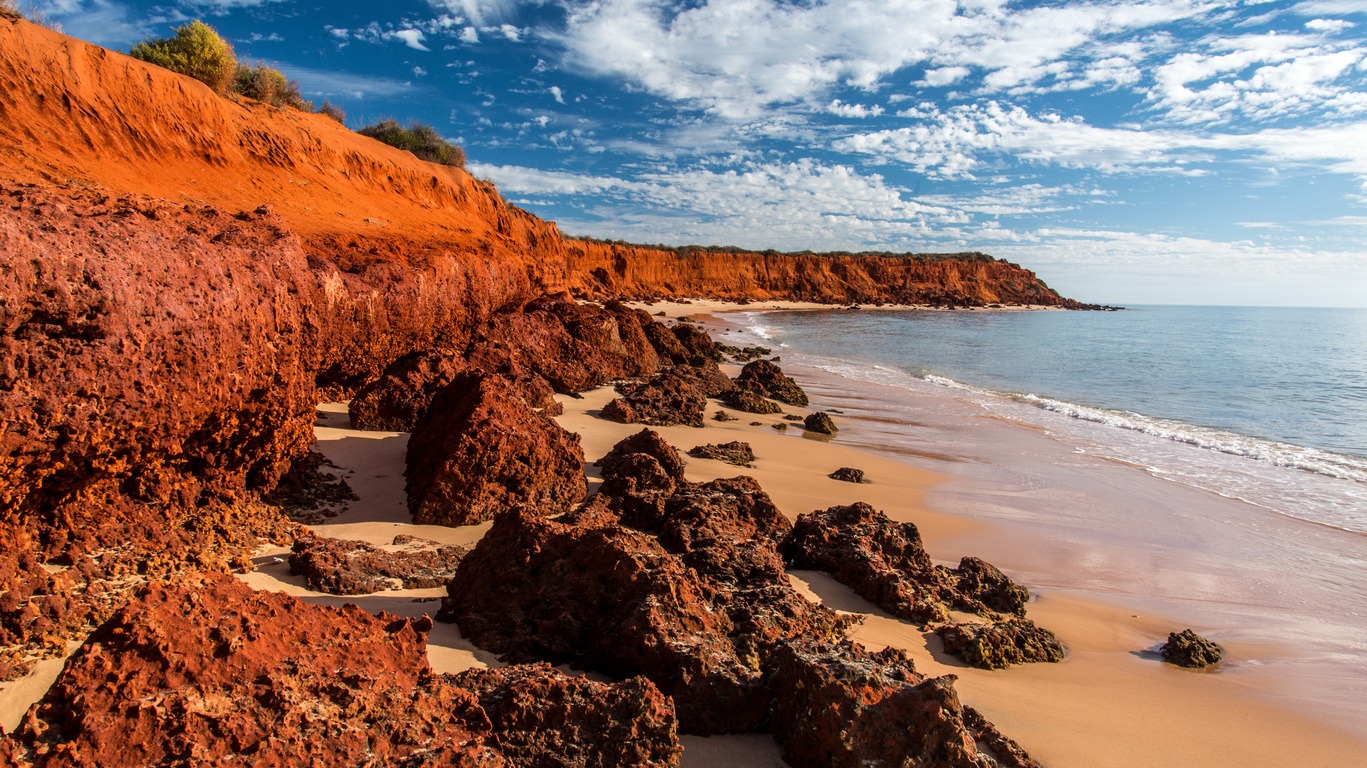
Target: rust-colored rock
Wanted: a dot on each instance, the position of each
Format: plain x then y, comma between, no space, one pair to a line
980,581
341,567
1188,649
609,599
735,452
482,450
400,398
820,423
707,377
749,402
646,441
209,670
768,380
542,717
839,706
1001,644
848,475
667,399
701,348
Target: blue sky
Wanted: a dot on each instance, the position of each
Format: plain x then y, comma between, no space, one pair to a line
1129,151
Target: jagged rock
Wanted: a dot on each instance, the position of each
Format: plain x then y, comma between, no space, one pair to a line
646,441
792,417
341,567
884,562
399,399
981,581
779,427
743,354
482,449
208,670
699,345
669,398
666,344
999,645
821,423
308,493
848,475
721,415
749,402
543,718
1188,649
694,597
735,452
839,706
764,378
707,377
1005,751
609,599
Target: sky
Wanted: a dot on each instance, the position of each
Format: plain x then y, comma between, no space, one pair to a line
1127,151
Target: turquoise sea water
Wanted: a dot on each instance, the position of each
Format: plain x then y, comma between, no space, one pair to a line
1268,405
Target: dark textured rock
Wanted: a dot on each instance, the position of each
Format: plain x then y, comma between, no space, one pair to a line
839,706
543,718
669,398
882,561
749,402
764,378
721,415
792,417
700,346
482,449
821,423
707,377
1188,649
982,582
210,671
735,452
999,645
400,398
341,567
779,427
646,441
848,475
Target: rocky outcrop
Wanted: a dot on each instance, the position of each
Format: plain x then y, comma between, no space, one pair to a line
821,423
667,399
701,349
341,567
999,645
210,671
768,380
735,452
848,475
690,593
482,449
840,706
399,400
1188,649
649,442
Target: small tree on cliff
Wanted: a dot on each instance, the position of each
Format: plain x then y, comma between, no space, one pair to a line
195,50
268,84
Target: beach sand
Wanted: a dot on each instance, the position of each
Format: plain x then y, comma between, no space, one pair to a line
1109,703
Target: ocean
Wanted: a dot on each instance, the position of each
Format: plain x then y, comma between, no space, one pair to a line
1203,463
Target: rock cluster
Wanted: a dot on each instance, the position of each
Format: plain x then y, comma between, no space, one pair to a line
340,567
749,402
1188,649
482,449
210,671
735,452
885,562
683,583
667,399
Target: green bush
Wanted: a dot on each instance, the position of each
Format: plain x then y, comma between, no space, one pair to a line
269,85
421,140
196,50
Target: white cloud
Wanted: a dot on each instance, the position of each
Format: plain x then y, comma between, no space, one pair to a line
557,94
842,109
512,33
469,35
477,11
419,71
1328,25
411,37
942,76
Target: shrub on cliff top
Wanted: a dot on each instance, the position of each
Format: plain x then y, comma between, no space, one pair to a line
269,85
421,140
196,50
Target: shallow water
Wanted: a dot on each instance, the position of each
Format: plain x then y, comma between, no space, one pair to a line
1247,547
